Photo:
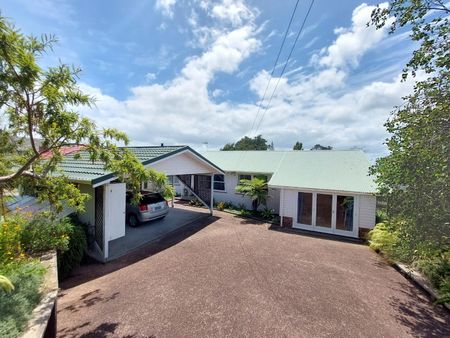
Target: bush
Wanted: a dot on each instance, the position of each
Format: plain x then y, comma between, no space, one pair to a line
45,233
267,214
73,256
10,238
221,206
437,270
16,306
383,239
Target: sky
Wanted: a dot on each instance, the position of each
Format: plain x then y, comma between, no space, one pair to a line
195,71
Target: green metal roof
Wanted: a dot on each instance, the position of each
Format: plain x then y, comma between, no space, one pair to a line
322,170
84,170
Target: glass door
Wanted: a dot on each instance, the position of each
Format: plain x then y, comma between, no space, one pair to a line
344,213
304,208
324,210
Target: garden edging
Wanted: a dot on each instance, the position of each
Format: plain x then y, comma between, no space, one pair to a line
43,318
419,280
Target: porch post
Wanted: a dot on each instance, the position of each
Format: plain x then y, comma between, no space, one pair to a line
211,207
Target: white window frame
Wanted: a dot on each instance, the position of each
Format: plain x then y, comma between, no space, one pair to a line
222,182
332,230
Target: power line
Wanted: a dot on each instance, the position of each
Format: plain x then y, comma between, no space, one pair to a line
275,64
285,65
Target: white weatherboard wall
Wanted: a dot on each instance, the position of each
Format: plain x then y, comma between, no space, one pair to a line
364,213
230,194
367,211
88,216
114,212
184,163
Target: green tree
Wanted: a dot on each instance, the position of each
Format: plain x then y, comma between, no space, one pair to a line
256,189
415,176
320,147
40,103
298,146
248,143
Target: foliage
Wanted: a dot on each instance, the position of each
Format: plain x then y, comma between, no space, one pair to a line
429,22
380,216
220,206
44,233
5,284
268,214
256,189
40,103
298,146
383,239
195,202
320,147
437,269
10,238
414,178
247,143
72,257
16,306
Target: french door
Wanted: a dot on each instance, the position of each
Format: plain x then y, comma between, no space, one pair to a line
331,213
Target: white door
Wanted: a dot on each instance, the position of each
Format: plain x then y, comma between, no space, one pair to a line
115,211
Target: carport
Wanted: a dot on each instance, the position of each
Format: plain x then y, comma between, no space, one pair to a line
105,210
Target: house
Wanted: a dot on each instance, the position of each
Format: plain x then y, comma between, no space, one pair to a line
105,210
325,191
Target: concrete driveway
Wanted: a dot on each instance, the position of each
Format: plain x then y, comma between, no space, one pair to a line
228,277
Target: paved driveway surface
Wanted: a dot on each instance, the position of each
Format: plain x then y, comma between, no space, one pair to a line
235,278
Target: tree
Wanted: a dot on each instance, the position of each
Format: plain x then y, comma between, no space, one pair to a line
247,143
298,146
38,103
256,189
320,147
415,176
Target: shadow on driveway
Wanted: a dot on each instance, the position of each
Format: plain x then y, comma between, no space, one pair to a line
93,269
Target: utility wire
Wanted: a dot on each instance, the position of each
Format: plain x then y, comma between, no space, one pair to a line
285,65
275,64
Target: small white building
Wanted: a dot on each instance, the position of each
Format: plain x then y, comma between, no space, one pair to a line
325,191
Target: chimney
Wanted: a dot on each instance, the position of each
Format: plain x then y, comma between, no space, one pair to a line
162,144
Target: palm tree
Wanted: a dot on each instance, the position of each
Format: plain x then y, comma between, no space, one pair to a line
256,189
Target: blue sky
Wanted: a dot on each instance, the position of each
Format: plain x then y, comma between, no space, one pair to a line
194,71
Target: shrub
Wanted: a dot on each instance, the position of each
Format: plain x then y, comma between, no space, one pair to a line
16,306
77,247
10,238
267,214
45,233
383,238
221,206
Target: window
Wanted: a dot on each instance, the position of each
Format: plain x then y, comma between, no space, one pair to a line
219,182
245,177
304,210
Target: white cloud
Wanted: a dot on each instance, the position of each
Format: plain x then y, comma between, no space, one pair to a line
150,77
352,42
234,11
165,6
317,106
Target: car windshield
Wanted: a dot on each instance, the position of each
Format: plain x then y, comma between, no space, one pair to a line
152,198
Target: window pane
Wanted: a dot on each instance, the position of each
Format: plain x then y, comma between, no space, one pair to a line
219,178
344,213
304,211
324,209
245,177
219,186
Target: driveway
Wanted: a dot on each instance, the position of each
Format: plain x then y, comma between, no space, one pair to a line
228,277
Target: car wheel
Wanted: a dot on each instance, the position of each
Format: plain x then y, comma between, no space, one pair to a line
133,220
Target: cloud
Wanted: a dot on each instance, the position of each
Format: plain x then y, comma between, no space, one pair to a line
314,104
150,77
352,42
166,7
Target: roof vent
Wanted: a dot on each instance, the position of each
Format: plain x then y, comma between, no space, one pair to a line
162,144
